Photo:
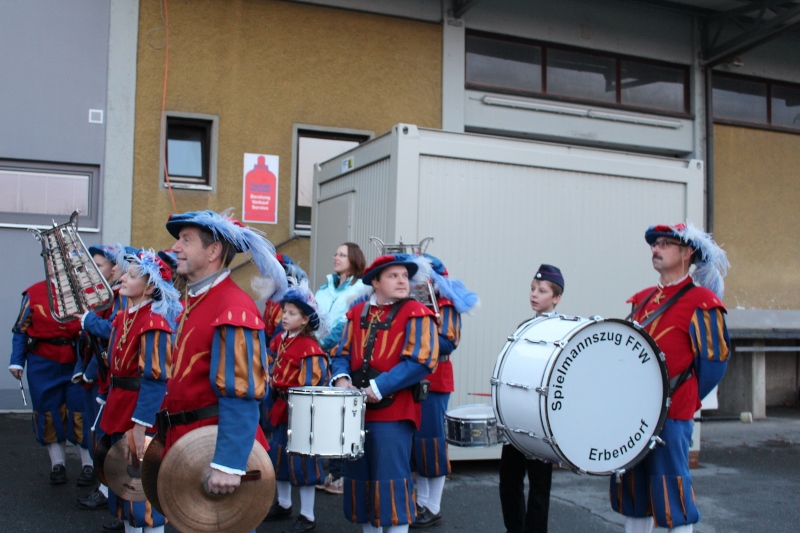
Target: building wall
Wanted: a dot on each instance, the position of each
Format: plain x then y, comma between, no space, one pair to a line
756,184
263,67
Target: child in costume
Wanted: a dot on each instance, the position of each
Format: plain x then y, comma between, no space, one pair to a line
140,345
296,360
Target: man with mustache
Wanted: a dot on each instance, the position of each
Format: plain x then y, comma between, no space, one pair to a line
685,316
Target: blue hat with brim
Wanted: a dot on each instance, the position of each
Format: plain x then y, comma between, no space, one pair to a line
106,251
385,261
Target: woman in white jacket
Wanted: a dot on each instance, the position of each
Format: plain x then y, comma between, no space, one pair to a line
332,297
333,300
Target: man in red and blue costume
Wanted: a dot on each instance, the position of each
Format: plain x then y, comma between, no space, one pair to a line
430,447
48,347
685,316
405,348
218,372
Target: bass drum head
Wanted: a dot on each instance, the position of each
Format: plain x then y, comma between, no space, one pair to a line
607,395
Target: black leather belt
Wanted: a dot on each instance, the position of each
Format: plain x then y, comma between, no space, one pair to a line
130,383
33,342
444,358
166,420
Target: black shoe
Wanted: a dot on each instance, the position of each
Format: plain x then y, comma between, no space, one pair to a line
115,525
58,475
87,477
301,525
427,519
95,500
276,512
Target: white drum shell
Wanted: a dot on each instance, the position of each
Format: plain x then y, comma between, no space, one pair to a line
598,402
472,426
326,422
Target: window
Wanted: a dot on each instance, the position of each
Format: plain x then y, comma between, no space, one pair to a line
316,145
36,193
189,148
756,101
531,68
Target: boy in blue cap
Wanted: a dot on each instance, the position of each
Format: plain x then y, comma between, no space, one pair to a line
547,287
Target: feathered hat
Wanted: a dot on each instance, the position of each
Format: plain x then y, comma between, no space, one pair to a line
419,272
169,257
301,296
120,252
294,273
464,300
711,262
108,252
272,283
166,298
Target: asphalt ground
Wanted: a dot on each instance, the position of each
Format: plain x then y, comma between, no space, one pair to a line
748,481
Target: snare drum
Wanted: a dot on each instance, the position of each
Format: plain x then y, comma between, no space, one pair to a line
591,394
326,422
472,426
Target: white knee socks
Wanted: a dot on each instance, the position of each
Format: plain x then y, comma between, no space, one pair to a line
156,529
423,490
57,451
688,528
130,529
86,459
638,525
103,490
284,494
369,528
436,487
397,529
307,502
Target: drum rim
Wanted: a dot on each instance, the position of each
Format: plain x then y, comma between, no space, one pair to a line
325,391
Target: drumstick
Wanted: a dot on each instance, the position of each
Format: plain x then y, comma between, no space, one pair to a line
479,393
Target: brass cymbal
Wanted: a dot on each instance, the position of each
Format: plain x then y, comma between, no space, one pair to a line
122,477
151,464
99,454
187,504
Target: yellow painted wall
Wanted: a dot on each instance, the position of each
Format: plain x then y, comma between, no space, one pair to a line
263,66
757,189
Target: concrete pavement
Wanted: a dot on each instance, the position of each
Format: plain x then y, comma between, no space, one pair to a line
749,480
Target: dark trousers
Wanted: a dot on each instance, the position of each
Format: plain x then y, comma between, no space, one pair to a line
513,466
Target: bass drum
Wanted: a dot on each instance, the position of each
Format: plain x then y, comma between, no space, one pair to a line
590,394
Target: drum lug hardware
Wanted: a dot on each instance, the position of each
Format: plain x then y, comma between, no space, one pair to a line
541,390
518,385
511,338
656,440
559,344
662,356
618,474
597,318
529,341
549,440
570,318
494,381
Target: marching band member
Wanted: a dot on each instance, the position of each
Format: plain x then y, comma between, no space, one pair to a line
332,298
430,446
389,344
685,316
296,360
93,366
218,371
547,287
140,345
48,348
273,311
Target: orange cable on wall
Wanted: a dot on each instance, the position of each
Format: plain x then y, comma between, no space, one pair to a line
165,16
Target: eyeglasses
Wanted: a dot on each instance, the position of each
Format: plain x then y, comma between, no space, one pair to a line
663,243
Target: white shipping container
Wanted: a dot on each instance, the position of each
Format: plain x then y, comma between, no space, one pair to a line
497,208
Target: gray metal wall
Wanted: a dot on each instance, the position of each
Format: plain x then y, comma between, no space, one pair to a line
54,65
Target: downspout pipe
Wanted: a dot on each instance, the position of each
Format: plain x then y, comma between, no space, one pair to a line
707,70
